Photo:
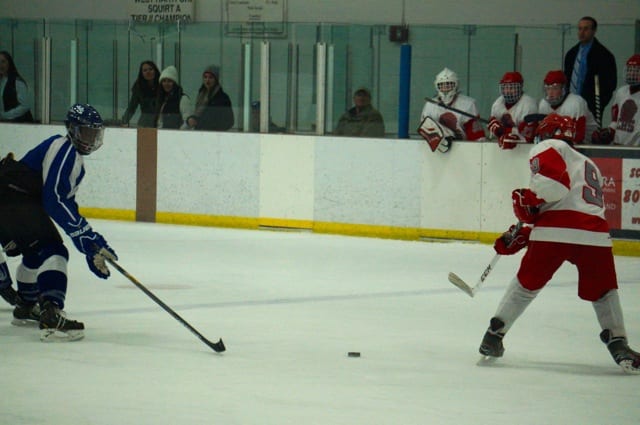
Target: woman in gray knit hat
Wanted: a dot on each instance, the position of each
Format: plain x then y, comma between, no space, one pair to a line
213,109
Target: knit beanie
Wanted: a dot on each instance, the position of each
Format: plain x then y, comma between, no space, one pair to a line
169,72
214,70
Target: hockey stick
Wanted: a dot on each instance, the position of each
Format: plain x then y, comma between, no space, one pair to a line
598,117
471,291
218,347
466,114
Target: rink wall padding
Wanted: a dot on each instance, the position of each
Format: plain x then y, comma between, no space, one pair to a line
146,174
354,186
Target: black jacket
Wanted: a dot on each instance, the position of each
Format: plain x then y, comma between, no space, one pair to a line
601,62
10,100
145,97
217,115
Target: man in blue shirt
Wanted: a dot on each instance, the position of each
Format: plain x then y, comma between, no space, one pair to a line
35,192
587,60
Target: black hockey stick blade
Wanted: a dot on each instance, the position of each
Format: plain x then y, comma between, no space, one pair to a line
534,118
218,347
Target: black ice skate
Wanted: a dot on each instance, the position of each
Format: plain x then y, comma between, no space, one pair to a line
491,346
54,326
9,295
624,356
26,313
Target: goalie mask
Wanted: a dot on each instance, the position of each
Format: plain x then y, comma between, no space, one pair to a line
555,126
555,87
85,128
632,71
446,85
511,87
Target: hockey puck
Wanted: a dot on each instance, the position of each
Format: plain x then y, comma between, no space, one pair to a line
353,354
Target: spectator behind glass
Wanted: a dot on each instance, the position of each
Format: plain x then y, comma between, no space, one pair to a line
144,93
213,107
15,104
255,120
174,106
362,119
592,59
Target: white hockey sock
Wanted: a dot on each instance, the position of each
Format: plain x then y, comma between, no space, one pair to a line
514,302
609,313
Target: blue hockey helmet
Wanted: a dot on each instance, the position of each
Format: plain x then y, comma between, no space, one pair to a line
85,128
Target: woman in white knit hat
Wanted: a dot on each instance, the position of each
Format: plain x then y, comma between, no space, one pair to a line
174,106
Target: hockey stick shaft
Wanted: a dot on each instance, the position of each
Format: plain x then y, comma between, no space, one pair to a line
466,114
218,347
598,114
471,290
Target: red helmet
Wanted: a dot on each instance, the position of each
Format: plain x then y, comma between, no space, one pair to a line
632,70
552,81
555,126
512,77
511,87
555,77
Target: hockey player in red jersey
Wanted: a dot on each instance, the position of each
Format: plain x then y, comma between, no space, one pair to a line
565,206
507,123
558,100
625,111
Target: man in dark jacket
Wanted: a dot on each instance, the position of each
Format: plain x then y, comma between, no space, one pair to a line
593,61
362,119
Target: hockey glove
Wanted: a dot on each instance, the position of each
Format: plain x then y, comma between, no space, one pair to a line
508,141
98,262
603,136
525,205
495,127
507,244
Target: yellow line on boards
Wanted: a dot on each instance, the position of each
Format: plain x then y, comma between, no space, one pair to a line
620,247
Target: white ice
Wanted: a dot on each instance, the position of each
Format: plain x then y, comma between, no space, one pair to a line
289,306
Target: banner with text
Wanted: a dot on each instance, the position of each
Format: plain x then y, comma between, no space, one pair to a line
157,11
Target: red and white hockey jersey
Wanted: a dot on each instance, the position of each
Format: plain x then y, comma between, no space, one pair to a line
575,107
569,183
625,117
513,118
466,127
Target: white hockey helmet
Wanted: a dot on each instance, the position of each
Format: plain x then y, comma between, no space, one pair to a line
446,83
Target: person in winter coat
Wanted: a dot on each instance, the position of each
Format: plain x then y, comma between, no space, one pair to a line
213,109
14,103
174,106
144,94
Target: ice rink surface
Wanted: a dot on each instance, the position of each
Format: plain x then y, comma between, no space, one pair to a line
290,306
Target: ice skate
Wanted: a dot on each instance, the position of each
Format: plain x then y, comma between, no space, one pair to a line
491,347
54,326
624,356
26,313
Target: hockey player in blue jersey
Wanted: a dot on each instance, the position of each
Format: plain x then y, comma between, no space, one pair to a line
35,192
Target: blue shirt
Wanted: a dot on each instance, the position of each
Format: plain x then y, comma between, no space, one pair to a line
583,52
